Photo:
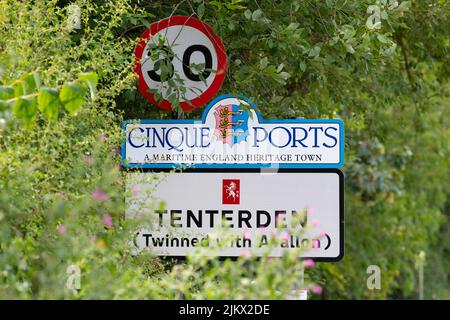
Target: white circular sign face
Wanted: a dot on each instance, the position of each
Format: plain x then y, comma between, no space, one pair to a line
180,39
198,61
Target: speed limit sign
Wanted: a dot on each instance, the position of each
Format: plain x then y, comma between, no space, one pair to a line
190,43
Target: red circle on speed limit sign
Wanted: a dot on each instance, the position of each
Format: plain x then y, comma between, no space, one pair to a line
193,43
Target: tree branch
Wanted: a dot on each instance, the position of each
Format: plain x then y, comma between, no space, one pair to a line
399,38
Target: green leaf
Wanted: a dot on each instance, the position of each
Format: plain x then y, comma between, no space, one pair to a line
390,50
89,76
29,84
37,79
231,6
263,62
4,105
314,52
280,67
72,97
91,79
25,109
404,6
284,75
48,102
293,26
248,14
6,92
18,89
201,10
348,31
256,15
349,48
302,66
382,38
146,23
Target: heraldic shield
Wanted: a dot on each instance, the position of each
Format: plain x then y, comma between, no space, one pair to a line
231,124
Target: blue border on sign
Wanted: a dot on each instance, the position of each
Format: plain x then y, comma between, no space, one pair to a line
235,165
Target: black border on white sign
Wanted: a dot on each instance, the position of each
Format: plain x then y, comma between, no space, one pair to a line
268,170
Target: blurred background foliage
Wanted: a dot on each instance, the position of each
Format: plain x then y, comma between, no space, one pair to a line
61,191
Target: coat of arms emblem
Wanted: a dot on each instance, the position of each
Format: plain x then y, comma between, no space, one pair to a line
231,124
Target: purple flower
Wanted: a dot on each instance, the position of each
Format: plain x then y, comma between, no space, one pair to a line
107,221
99,195
62,229
118,151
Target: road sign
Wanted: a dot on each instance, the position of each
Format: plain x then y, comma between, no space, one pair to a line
193,43
232,135
301,208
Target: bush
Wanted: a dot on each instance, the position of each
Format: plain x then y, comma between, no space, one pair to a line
62,192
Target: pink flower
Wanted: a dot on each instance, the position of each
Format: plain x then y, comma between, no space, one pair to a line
61,229
99,195
103,137
245,253
117,166
285,236
323,234
315,223
247,235
261,229
62,194
317,289
118,151
309,211
315,244
93,238
136,189
308,263
107,221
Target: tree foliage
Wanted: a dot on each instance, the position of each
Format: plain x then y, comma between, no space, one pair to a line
381,66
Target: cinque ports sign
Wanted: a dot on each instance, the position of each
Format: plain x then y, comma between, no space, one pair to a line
232,133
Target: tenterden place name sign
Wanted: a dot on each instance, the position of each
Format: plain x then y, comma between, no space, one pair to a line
242,208
232,133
